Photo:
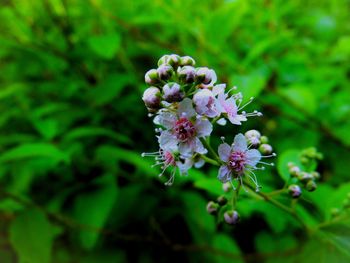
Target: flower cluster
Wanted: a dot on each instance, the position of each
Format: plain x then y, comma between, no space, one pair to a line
186,102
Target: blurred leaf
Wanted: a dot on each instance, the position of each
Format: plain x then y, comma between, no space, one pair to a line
300,97
225,243
31,235
33,150
93,209
211,185
11,90
106,46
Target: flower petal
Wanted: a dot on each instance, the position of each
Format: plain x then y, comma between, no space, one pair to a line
224,152
224,174
253,157
184,166
166,119
186,149
199,148
239,143
203,127
186,108
199,163
167,141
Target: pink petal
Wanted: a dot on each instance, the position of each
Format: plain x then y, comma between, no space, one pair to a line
224,152
253,157
239,143
224,174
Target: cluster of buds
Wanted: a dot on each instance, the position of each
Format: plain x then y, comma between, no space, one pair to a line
305,174
344,209
220,207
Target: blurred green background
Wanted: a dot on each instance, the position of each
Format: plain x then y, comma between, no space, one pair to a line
73,186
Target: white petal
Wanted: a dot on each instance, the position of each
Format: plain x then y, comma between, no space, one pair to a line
253,157
199,148
239,143
224,151
221,122
203,127
167,141
184,166
199,163
224,174
186,108
220,88
167,119
186,149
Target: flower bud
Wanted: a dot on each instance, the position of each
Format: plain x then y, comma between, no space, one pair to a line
315,175
173,60
264,139
151,77
227,187
205,103
294,190
311,186
186,74
265,149
172,92
231,217
294,170
222,200
253,137
165,72
187,61
205,75
212,208
151,98
305,177
163,60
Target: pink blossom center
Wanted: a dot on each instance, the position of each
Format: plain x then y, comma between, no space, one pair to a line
184,129
236,161
169,159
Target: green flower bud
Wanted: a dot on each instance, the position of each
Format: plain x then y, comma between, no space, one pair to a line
222,200
165,72
186,74
163,60
265,149
151,98
227,187
311,186
264,139
231,217
305,177
151,77
212,208
315,175
187,61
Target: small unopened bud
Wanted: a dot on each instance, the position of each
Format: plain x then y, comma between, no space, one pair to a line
311,186
231,217
151,98
212,208
227,187
174,60
294,190
163,60
172,92
204,75
265,148
151,77
222,200
264,139
253,137
316,175
294,170
165,72
186,74
187,61
305,177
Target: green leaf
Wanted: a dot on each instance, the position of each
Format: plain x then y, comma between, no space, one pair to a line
283,160
226,244
31,236
301,98
211,185
93,209
105,46
34,150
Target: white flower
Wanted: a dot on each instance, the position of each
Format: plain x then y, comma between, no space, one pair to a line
205,103
183,130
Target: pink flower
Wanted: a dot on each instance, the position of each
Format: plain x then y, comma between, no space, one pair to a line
239,160
228,106
183,130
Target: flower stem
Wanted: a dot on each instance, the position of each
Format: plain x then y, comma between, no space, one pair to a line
211,151
235,195
209,160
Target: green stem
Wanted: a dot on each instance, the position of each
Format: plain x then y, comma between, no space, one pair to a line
209,160
235,195
279,205
210,150
277,192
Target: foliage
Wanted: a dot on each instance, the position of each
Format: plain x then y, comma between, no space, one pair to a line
73,185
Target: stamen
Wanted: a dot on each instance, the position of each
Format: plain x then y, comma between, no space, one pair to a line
268,156
249,101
